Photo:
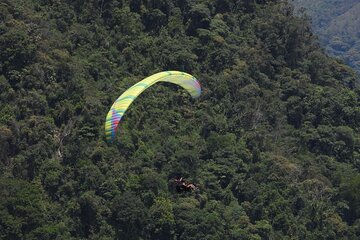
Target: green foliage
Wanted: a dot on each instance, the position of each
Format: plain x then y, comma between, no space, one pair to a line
273,142
336,23
351,195
26,213
162,220
129,215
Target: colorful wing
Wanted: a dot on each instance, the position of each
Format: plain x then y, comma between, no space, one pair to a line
120,106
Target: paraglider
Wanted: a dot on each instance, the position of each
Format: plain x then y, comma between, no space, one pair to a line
119,107
183,186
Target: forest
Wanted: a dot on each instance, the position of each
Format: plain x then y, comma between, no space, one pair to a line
273,142
337,24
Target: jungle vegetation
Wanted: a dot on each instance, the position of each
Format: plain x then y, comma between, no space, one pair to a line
337,24
273,142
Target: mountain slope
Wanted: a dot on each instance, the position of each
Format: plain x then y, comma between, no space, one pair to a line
272,143
337,23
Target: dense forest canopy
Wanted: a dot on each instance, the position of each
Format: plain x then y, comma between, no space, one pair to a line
337,23
273,142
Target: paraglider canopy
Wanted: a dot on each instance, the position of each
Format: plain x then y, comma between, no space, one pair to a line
120,106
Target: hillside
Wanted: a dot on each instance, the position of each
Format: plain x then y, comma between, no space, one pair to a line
337,23
273,142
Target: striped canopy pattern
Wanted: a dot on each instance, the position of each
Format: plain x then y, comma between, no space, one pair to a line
120,106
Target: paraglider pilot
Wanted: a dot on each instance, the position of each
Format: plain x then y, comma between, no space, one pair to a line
183,186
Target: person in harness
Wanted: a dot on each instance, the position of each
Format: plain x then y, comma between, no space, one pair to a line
182,186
